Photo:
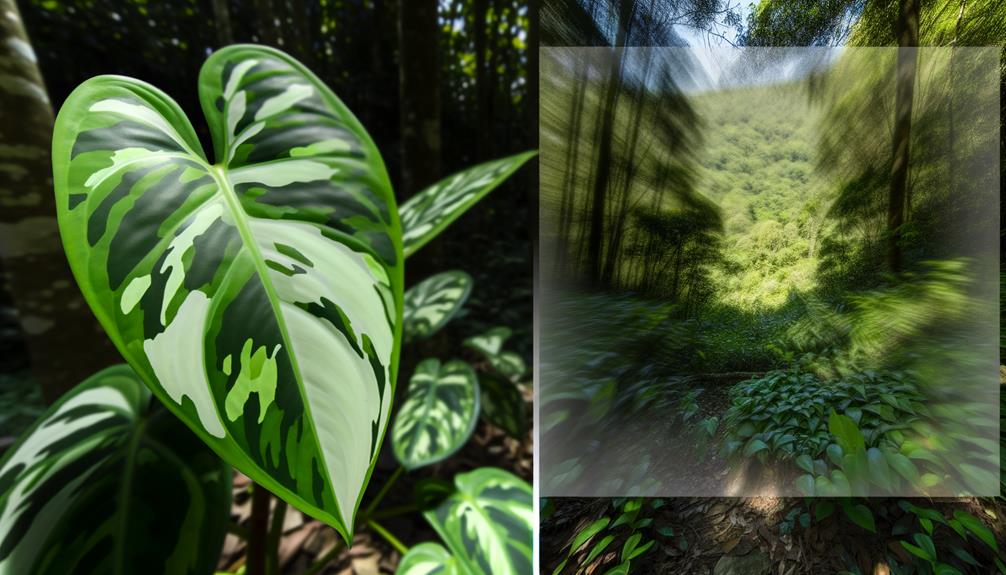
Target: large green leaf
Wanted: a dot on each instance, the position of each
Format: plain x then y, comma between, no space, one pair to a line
503,405
105,482
490,346
439,414
259,297
486,523
430,211
433,302
428,559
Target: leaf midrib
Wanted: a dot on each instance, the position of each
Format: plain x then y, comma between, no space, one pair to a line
219,174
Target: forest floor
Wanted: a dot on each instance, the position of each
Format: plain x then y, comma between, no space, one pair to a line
305,540
757,532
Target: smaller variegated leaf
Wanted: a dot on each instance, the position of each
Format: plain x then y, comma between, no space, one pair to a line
428,559
430,211
433,302
439,414
108,482
486,523
503,405
490,345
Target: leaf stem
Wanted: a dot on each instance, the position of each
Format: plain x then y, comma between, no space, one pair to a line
388,536
394,511
255,562
275,533
380,494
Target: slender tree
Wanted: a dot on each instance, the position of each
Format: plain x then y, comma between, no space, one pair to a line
599,199
908,41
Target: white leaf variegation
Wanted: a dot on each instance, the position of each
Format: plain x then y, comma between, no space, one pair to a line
433,302
430,211
439,414
486,523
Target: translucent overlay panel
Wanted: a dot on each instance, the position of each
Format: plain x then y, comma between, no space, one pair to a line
769,272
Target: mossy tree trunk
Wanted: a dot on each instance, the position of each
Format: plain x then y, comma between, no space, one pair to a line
63,339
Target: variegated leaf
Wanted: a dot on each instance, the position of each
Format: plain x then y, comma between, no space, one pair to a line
433,302
486,523
490,345
430,211
428,559
105,482
259,297
439,414
503,404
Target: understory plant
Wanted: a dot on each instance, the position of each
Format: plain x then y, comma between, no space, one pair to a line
260,299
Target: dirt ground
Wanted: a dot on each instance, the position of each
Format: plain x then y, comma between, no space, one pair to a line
716,527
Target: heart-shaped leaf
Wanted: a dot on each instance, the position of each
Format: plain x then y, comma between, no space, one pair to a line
439,414
503,405
433,302
430,211
487,522
259,297
860,515
105,482
428,559
490,345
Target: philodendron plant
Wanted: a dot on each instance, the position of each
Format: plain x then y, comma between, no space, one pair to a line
259,296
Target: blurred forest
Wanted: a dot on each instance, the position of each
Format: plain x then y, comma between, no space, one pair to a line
440,85
781,280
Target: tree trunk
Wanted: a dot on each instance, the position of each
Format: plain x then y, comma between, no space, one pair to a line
611,265
908,40
64,341
419,101
222,22
419,94
604,157
482,95
269,31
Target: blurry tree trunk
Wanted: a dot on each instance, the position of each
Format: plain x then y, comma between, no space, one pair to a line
222,22
566,201
64,340
419,101
419,93
605,134
611,264
908,40
268,24
482,94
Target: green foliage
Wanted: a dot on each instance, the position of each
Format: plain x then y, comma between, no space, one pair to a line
428,559
433,302
788,411
439,414
490,345
503,404
259,274
486,522
106,460
631,518
427,213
